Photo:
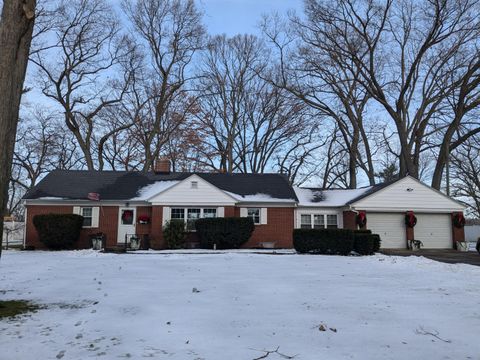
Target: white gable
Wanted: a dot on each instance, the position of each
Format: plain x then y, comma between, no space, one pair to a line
192,191
408,194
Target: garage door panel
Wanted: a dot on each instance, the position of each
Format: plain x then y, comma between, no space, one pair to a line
434,231
390,227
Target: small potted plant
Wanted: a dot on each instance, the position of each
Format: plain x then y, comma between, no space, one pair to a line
134,242
143,219
97,241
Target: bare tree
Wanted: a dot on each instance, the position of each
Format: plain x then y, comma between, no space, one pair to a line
77,70
466,177
404,53
16,28
171,32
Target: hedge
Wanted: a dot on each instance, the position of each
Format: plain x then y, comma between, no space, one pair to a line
335,241
58,231
323,241
174,234
226,233
366,243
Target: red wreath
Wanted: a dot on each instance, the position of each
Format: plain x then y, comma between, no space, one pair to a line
362,219
459,220
127,216
410,219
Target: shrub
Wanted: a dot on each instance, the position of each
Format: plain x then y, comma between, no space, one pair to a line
226,233
366,243
174,234
323,241
376,243
58,231
363,244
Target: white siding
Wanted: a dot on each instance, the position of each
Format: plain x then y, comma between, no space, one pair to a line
396,197
183,194
390,227
434,231
243,212
221,212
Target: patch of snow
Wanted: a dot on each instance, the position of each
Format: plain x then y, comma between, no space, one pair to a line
151,190
327,198
51,198
124,306
259,197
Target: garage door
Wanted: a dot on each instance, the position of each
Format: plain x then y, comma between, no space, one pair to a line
434,230
390,227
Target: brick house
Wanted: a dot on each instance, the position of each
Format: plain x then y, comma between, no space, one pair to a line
121,204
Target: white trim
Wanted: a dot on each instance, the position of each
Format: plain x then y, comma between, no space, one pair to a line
243,212
221,211
165,215
95,217
263,216
25,222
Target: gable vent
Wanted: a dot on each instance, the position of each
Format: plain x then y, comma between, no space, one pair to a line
194,184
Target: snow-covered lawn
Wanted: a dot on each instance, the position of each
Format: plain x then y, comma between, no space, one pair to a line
134,306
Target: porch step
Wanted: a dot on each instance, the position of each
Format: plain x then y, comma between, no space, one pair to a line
192,245
115,250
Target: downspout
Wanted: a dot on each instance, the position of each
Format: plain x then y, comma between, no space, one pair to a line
25,217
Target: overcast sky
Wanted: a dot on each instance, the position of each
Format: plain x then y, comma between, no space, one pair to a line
241,16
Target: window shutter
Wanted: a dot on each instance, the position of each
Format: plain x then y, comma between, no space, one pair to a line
76,210
166,215
263,216
221,212
243,212
95,216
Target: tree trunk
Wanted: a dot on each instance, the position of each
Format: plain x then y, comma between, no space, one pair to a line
16,28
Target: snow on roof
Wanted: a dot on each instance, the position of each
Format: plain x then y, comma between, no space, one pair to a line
151,190
259,197
327,198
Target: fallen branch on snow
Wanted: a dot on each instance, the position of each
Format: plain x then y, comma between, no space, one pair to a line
268,352
422,331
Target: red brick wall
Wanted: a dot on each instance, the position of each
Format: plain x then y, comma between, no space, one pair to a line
350,220
279,228
108,224
156,236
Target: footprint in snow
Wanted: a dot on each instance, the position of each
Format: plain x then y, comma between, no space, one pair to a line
61,354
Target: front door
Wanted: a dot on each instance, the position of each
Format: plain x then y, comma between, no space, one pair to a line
126,223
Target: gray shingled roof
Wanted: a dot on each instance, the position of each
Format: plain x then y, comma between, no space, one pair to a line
122,185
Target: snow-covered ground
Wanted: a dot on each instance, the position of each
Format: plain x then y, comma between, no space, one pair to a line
234,305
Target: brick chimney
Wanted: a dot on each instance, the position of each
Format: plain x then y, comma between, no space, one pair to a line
162,166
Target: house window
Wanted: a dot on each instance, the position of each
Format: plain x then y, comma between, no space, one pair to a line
306,222
193,214
87,213
178,214
209,213
332,222
318,221
254,213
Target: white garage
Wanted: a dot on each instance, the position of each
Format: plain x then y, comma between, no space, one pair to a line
387,205
390,227
434,230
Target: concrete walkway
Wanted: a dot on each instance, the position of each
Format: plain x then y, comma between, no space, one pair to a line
446,256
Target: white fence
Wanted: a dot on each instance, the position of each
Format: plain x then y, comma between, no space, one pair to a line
472,233
12,234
